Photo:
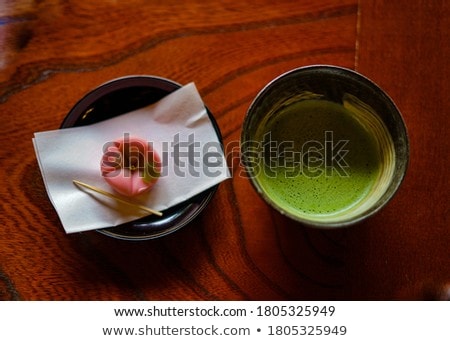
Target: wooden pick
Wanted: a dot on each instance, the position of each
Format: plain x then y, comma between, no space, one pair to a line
112,196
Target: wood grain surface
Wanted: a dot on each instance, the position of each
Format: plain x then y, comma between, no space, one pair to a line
53,52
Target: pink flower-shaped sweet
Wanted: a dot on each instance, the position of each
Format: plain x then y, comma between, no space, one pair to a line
130,165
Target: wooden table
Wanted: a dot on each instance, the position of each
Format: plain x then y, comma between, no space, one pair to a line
53,52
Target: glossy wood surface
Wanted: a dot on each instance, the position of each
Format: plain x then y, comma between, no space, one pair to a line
53,52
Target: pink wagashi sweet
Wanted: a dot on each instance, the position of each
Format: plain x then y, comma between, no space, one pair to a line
130,165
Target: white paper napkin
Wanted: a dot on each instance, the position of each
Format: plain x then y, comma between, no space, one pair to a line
182,134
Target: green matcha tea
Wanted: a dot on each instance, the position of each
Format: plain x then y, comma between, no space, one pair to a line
318,158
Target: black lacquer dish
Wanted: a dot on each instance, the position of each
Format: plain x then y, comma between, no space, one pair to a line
120,96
